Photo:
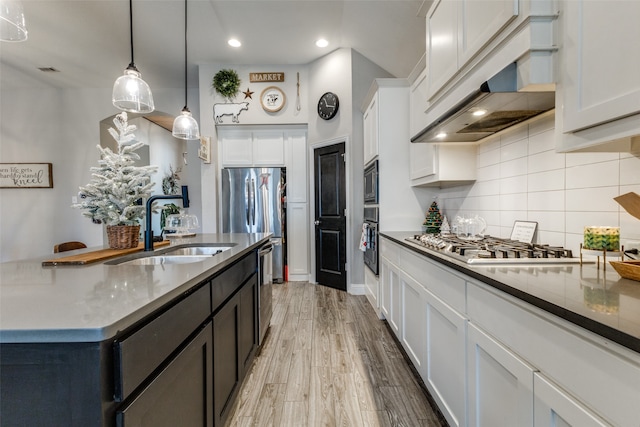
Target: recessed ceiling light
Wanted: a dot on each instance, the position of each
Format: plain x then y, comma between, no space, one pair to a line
322,43
479,113
441,135
234,43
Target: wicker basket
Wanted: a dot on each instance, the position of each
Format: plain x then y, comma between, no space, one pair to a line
627,269
123,236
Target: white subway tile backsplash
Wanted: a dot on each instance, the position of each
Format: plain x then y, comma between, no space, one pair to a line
513,167
514,150
548,221
515,184
630,170
546,200
592,200
520,176
577,159
488,158
543,141
577,221
488,173
603,174
546,181
513,202
545,161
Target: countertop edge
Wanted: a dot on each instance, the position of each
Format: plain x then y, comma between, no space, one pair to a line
108,332
607,332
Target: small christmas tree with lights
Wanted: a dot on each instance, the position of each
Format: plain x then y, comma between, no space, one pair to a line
433,220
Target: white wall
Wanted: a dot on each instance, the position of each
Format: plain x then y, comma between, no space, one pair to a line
61,127
521,177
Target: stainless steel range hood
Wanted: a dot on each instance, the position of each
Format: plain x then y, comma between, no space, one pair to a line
495,106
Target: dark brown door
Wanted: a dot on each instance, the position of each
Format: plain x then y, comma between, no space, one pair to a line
331,223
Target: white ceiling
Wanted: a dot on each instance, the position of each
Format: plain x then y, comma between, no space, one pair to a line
88,40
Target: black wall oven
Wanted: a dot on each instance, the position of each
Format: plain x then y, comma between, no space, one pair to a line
371,183
371,249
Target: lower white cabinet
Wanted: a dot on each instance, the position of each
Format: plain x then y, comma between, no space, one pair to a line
490,359
500,384
445,372
414,318
372,289
554,407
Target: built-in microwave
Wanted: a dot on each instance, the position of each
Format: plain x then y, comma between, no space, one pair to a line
371,183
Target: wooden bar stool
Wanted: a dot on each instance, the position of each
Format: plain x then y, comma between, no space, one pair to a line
68,246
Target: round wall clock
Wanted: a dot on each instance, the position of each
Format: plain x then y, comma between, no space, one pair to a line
328,106
272,99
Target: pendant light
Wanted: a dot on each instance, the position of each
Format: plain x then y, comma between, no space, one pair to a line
130,92
185,126
12,23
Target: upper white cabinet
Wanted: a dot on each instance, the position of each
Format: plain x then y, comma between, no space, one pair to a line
252,148
296,162
458,30
599,88
442,165
370,131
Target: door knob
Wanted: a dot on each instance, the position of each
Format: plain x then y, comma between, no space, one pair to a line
316,222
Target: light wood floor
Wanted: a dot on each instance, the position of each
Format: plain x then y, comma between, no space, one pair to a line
329,361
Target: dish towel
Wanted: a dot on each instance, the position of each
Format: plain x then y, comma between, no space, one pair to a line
364,238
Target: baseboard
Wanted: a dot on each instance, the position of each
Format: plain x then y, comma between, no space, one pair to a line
298,278
357,289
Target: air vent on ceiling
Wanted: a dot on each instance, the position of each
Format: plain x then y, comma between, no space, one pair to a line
48,70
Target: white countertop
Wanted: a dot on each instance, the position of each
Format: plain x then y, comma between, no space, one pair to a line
93,302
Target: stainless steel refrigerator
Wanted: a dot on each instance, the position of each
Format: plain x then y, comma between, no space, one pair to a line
252,202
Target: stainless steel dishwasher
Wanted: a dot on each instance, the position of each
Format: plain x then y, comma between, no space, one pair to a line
265,297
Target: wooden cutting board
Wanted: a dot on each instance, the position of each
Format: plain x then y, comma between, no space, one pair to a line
95,256
630,202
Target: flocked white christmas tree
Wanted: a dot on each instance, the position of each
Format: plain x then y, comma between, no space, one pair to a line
118,188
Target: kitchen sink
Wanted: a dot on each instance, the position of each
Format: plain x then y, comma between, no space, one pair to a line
166,259
181,254
198,250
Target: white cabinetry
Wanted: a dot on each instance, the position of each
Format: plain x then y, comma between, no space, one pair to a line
370,132
556,408
442,165
489,359
600,84
458,30
500,384
252,148
432,331
298,241
386,137
372,289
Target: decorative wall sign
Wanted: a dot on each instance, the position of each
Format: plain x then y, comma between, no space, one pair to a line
229,109
204,152
26,175
266,77
272,99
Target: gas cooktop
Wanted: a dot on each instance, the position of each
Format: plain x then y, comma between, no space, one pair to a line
494,250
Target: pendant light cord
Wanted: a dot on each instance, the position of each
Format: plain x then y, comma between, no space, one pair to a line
186,79
132,64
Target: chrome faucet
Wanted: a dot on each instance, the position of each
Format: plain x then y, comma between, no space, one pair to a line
148,231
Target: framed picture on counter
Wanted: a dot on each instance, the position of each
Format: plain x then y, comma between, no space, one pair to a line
26,175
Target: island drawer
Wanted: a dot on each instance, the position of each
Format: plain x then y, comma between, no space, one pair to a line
229,281
140,353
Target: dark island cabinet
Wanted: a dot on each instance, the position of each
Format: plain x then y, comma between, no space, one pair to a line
181,395
180,366
235,332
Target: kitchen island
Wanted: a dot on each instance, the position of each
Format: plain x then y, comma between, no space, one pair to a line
104,344
515,344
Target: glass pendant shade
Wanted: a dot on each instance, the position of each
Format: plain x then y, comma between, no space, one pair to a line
185,126
12,23
131,93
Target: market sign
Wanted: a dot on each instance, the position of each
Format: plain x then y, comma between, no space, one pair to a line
266,77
